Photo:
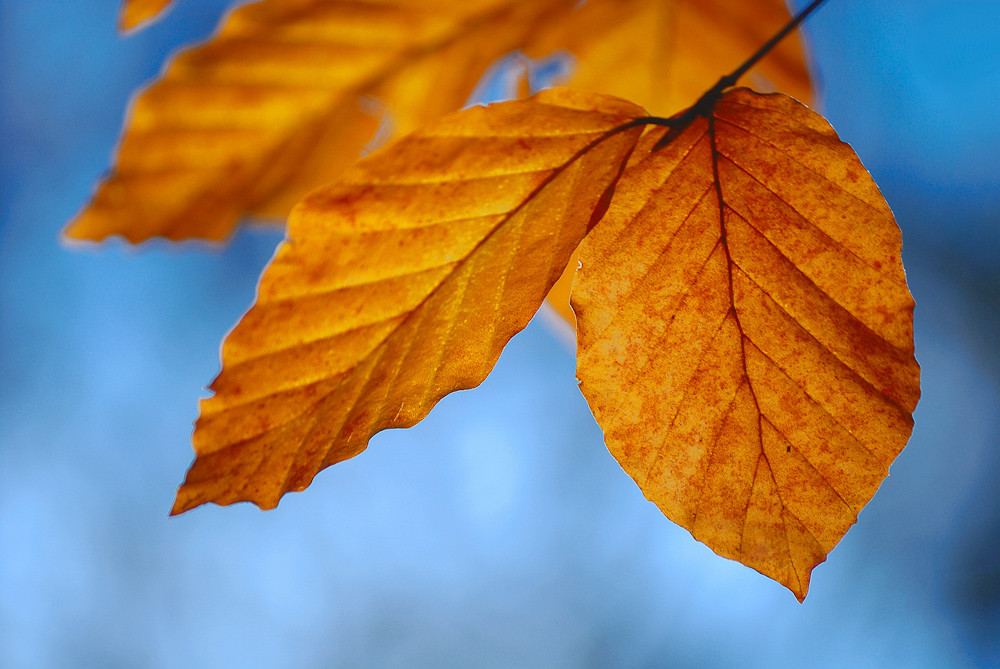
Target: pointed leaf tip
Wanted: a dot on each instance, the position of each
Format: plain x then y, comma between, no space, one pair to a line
745,333
133,13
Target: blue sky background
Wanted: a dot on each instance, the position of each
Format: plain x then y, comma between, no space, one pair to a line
498,532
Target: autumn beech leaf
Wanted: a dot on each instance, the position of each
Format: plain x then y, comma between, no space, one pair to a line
745,331
662,54
289,93
284,98
401,283
135,12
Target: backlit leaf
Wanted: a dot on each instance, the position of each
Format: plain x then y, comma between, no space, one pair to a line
663,54
752,370
134,12
289,93
400,284
284,98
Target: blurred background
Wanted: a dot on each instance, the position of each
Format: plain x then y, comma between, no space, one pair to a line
499,532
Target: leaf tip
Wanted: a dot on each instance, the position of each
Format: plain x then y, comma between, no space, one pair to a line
801,588
178,508
135,15
75,231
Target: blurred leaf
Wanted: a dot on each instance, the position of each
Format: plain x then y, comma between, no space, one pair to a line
745,332
400,284
289,93
134,12
284,98
664,54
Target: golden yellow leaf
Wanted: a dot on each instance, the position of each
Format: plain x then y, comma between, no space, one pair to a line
284,98
745,332
663,54
400,284
290,92
134,12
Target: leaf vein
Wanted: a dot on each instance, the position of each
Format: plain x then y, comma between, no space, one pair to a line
823,346
819,178
711,451
815,285
805,392
807,460
688,386
641,279
799,214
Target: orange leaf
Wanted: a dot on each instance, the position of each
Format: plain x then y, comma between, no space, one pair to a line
752,370
663,54
283,99
401,284
290,92
134,12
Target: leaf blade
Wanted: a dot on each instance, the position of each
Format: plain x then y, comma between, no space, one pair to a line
283,99
654,52
416,261
751,363
135,12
